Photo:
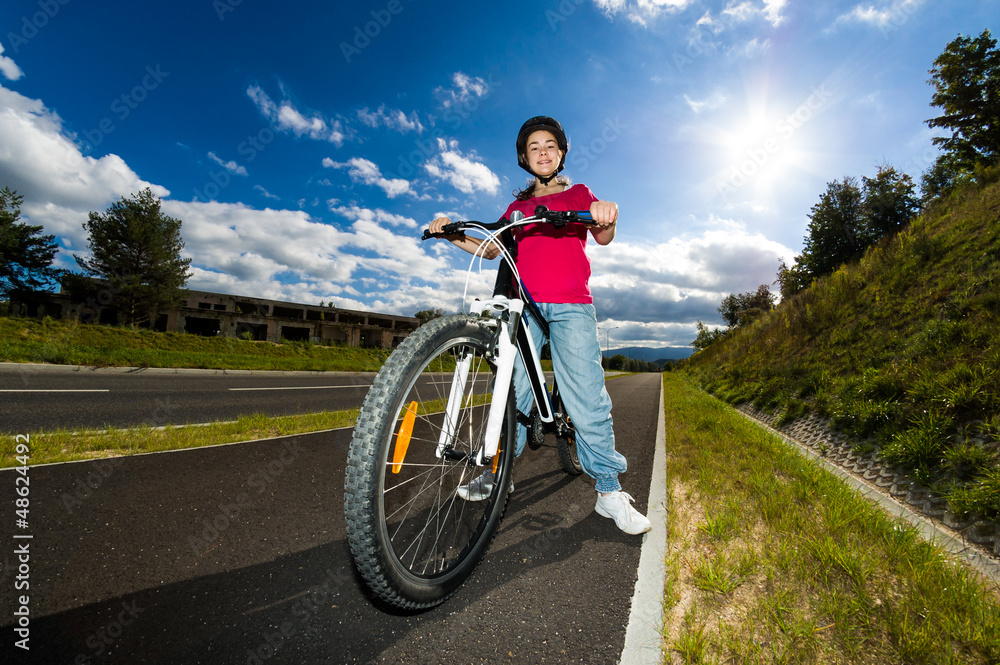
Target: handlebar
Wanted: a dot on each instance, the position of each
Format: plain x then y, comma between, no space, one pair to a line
557,218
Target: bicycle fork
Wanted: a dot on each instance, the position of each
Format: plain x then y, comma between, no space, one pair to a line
511,339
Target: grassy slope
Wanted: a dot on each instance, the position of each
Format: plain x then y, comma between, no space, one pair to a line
900,350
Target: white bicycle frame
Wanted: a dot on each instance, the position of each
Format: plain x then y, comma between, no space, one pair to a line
513,340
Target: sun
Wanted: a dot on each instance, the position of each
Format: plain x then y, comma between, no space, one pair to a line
758,150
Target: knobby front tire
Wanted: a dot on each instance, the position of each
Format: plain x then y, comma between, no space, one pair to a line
413,539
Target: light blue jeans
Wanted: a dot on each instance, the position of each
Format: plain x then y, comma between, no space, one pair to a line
576,360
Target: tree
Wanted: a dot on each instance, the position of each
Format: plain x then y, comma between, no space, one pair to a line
835,224
847,221
25,255
740,309
426,315
618,362
888,204
707,337
137,249
791,280
966,80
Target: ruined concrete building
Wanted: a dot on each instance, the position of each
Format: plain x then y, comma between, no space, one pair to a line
219,314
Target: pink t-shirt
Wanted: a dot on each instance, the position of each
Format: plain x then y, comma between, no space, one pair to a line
552,261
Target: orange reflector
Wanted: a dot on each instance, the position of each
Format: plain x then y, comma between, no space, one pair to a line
496,460
403,437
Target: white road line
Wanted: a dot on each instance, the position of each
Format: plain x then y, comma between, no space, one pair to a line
301,387
75,390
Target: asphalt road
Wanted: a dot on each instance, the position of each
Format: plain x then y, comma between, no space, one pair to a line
237,554
43,397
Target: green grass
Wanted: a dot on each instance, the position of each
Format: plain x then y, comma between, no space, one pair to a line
901,351
771,559
65,446
73,343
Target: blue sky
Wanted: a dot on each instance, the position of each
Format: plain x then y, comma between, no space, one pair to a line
305,146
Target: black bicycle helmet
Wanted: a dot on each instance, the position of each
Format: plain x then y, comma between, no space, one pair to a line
533,125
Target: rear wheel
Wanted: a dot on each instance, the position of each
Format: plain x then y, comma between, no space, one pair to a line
566,445
414,540
536,430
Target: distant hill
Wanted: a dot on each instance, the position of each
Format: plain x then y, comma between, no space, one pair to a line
653,354
901,350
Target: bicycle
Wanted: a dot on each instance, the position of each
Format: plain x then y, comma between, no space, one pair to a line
439,413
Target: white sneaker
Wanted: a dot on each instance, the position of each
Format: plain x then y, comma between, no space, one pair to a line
480,488
618,506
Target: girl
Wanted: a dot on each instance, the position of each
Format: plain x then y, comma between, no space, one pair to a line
556,272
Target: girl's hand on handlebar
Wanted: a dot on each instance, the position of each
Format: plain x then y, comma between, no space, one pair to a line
438,224
468,243
605,214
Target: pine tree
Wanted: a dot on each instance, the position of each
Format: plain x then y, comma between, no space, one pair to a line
137,250
25,255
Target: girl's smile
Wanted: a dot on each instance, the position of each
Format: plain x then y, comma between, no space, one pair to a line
542,152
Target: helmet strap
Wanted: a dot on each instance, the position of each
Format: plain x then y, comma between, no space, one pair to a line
546,181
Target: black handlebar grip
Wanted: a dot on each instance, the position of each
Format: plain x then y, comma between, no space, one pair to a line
447,229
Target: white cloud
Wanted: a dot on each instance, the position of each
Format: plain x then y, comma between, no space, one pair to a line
640,11
365,171
230,166
391,118
739,12
744,11
772,11
288,118
461,171
710,103
241,250
60,185
751,49
464,89
684,279
9,68
885,17
265,193
378,215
